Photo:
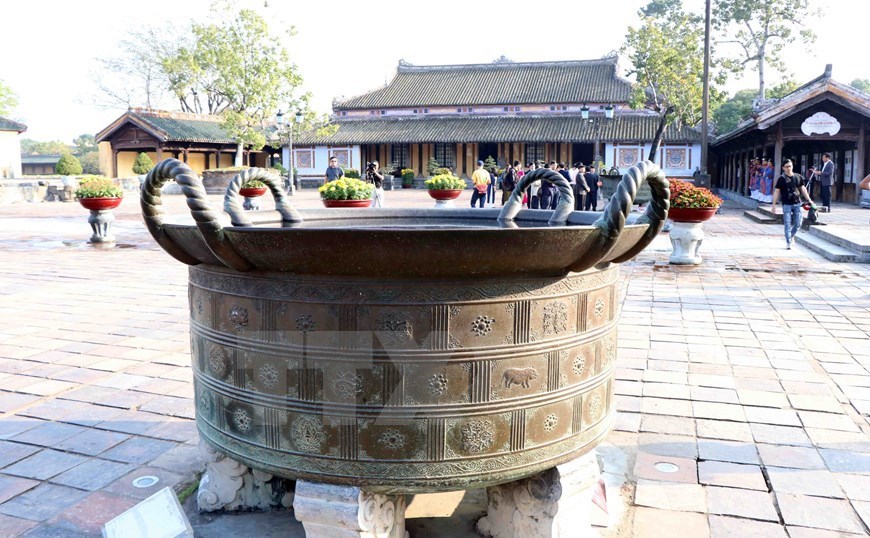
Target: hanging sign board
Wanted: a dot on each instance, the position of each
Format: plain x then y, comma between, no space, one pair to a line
820,123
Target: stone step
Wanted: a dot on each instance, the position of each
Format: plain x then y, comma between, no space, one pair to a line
847,237
828,250
762,218
764,209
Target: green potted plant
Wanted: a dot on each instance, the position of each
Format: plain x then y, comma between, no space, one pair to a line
346,192
253,188
690,207
690,203
407,178
100,195
351,173
142,165
445,186
98,192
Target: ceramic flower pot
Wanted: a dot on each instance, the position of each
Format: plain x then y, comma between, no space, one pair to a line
346,203
442,194
252,192
701,214
100,204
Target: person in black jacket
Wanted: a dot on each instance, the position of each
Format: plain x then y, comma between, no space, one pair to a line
593,181
581,188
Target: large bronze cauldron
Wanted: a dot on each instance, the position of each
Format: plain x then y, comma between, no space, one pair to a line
404,350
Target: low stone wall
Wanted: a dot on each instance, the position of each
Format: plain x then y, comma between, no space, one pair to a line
51,189
215,181
18,191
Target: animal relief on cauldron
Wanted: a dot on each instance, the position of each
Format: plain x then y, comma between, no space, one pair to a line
519,376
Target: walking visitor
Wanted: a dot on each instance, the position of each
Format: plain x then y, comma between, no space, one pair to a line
792,189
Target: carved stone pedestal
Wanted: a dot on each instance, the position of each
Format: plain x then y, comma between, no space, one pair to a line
553,503
231,486
328,511
444,204
686,238
101,224
252,203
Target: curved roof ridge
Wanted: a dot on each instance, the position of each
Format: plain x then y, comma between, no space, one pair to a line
502,64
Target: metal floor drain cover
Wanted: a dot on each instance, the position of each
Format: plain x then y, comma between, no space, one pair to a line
145,481
665,467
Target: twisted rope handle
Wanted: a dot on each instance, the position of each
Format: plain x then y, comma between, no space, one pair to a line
612,221
237,214
200,208
566,200
656,210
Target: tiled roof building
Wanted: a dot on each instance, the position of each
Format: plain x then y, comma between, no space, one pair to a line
10,148
197,139
508,110
822,116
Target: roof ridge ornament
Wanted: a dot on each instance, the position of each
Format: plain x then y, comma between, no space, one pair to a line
760,103
503,60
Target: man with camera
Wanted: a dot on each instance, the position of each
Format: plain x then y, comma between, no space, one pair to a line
373,175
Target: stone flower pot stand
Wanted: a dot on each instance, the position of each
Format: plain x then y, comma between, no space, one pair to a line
687,234
101,218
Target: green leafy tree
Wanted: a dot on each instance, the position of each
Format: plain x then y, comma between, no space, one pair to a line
34,147
91,163
761,29
862,84
68,165
247,70
143,164
666,53
8,99
739,106
85,143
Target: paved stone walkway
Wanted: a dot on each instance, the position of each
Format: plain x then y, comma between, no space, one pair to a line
749,373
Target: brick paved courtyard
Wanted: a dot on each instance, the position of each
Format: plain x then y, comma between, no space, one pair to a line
750,373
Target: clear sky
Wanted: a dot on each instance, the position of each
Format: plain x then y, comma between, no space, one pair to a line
48,49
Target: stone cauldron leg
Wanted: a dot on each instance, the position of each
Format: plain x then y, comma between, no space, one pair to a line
231,486
329,511
553,503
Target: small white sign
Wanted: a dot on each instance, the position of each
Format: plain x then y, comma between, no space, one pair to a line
820,123
158,516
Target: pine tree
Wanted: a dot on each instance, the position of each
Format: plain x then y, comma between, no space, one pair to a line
143,164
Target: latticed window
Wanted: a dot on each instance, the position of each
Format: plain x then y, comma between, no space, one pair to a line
535,152
445,154
400,154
